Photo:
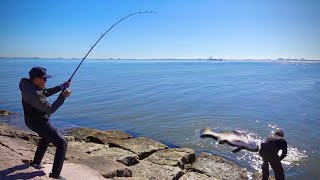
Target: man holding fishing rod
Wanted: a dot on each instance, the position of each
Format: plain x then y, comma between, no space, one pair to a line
37,111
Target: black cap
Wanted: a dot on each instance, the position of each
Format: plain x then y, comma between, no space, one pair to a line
279,132
38,72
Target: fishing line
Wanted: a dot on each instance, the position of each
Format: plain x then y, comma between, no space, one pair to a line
143,12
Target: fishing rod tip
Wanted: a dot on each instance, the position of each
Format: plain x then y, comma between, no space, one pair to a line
147,12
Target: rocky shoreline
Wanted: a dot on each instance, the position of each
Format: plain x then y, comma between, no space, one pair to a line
113,154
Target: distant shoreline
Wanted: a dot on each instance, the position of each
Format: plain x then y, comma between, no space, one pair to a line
168,59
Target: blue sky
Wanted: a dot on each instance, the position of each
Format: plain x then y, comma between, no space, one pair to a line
234,29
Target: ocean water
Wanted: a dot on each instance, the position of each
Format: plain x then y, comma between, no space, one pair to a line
171,101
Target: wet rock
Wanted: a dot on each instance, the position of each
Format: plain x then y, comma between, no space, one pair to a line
154,171
172,157
141,146
123,156
217,167
98,136
194,176
5,113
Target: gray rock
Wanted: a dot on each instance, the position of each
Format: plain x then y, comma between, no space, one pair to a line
75,171
141,146
87,147
172,157
107,167
5,113
195,176
12,152
123,156
154,171
98,136
9,131
19,146
78,151
217,167
69,138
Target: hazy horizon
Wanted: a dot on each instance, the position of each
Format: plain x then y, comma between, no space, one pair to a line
213,59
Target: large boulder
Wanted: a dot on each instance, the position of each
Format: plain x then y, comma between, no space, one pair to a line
141,146
87,147
18,146
217,167
78,151
75,171
172,157
123,156
98,136
107,167
149,170
12,152
85,153
9,131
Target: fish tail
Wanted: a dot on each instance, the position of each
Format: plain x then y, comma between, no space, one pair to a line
206,132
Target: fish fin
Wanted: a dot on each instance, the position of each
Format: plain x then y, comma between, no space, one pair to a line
239,148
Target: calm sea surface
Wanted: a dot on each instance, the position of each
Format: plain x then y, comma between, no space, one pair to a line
170,101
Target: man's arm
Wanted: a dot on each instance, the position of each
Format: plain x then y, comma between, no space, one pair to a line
50,91
38,100
284,149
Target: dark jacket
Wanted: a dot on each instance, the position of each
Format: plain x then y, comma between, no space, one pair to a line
272,146
34,100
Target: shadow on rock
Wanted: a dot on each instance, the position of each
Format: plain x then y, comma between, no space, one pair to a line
15,173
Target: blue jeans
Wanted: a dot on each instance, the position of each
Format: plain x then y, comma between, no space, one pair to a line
49,134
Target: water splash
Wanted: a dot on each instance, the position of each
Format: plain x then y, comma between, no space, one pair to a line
250,160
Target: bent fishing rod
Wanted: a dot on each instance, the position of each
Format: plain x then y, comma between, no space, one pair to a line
143,12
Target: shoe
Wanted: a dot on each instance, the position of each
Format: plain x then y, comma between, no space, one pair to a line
36,166
57,177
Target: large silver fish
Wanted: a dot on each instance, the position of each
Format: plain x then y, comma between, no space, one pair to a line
233,138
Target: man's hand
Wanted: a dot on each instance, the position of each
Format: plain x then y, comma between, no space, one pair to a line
66,84
66,93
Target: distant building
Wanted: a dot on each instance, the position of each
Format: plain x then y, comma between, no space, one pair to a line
212,59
